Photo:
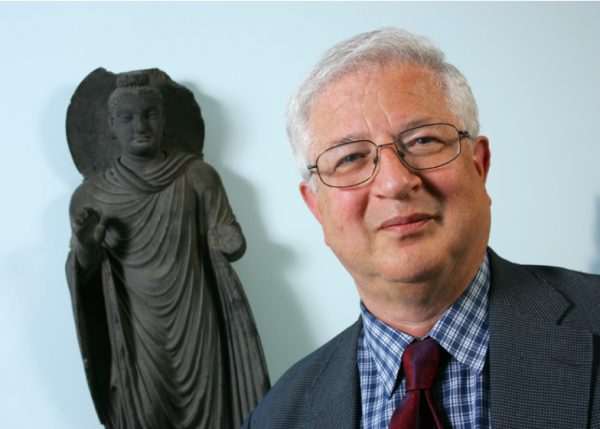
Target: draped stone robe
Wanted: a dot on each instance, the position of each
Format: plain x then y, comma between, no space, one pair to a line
165,330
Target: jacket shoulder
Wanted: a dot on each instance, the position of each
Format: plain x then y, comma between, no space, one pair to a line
571,280
287,404
581,289
547,292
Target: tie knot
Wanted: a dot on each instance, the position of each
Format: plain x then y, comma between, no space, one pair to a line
420,362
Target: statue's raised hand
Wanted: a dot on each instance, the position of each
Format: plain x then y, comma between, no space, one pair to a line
90,230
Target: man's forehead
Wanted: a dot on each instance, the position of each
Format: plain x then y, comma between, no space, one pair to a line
353,84
338,111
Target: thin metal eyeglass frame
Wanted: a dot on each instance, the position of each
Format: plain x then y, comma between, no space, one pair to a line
461,134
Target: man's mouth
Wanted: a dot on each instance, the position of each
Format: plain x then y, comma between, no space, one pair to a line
406,223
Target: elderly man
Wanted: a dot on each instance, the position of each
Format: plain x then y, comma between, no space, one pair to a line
450,334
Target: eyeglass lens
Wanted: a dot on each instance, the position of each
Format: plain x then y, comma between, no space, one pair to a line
420,148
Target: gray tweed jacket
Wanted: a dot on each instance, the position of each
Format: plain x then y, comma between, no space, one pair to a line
543,359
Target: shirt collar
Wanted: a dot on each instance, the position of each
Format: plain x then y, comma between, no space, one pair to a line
468,346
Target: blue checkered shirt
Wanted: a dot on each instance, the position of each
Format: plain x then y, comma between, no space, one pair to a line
460,391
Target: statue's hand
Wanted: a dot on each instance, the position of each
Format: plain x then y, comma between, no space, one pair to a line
228,239
90,230
90,227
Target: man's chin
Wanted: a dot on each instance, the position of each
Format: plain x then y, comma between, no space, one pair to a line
412,265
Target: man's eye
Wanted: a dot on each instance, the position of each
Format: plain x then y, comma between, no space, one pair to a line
423,141
124,118
349,159
352,161
424,145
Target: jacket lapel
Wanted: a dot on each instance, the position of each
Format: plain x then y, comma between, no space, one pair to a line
335,396
540,369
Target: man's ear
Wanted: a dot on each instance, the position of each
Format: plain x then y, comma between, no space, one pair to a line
482,156
311,199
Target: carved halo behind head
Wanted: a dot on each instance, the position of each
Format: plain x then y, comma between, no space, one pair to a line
88,133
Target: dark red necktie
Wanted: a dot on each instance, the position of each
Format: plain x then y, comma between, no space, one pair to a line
420,362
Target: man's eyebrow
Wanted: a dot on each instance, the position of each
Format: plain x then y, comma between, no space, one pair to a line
358,137
418,123
346,139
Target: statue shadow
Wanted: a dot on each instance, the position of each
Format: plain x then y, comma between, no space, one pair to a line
596,263
281,324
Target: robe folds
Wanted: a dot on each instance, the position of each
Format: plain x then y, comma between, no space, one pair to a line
165,330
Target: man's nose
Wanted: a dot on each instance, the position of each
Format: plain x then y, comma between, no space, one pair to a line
393,178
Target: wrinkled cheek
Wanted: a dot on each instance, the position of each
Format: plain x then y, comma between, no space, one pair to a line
339,231
333,232
343,217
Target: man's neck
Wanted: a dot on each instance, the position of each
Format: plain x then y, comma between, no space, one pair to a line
412,319
414,308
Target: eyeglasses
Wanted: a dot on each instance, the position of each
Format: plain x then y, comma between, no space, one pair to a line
420,148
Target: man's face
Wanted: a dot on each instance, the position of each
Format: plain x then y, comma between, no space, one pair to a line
137,123
401,227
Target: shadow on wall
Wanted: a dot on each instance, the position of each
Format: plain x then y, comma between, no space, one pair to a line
282,326
596,263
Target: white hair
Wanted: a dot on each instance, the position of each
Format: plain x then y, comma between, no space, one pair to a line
381,47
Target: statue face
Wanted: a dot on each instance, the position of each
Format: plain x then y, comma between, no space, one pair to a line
137,123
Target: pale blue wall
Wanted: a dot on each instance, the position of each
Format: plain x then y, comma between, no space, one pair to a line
534,69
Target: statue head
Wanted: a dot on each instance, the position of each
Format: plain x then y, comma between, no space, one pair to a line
136,116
